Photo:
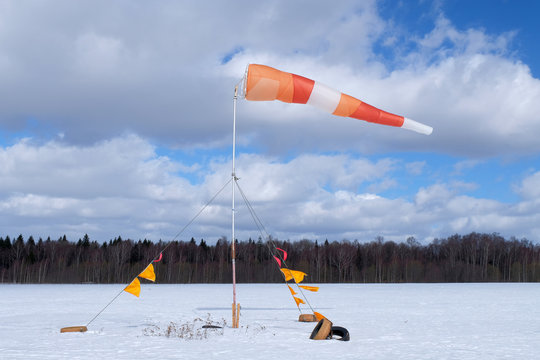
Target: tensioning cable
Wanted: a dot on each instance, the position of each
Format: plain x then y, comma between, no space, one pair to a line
261,228
166,246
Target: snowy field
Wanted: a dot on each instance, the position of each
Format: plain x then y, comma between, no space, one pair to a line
405,321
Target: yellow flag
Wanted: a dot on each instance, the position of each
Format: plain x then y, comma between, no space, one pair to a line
298,301
148,273
297,275
291,289
310,288
134,288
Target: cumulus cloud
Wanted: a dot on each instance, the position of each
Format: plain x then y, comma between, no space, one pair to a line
480,100
530,187
80,76
123,187
166,71
56,186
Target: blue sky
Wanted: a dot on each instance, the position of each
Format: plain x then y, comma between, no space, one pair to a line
493,16
116,119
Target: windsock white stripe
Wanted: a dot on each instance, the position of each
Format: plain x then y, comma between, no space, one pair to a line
324,97
416,126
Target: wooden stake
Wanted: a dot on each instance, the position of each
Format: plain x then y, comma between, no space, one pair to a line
73,329
234,324
235,315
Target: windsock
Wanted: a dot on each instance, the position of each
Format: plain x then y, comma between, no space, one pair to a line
264,83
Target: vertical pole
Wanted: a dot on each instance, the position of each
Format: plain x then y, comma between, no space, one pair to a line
233,254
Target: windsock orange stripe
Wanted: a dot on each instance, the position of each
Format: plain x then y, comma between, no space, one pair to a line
372,114
302,89
264,83
347,106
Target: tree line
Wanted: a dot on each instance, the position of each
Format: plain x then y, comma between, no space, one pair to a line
469,258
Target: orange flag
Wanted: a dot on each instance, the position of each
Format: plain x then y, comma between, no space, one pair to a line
297,275
148,273
298,301
319,316
291,289
310,288
134,287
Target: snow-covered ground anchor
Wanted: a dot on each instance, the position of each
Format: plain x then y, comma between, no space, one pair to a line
321,330
325,331
307,318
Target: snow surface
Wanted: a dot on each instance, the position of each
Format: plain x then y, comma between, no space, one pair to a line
387,321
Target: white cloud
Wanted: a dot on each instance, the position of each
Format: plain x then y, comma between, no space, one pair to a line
530,187
416,167
93,71
122,186
124,166
384,184
99,56
475,96
136,193
156,70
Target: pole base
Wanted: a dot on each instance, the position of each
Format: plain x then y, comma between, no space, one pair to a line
235,315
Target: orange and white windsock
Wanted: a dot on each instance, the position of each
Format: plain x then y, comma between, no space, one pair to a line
264,83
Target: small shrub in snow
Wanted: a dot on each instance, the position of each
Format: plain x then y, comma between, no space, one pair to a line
191,330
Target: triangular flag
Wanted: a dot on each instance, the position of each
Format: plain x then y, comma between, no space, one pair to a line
319,316
309,288
297,275
284,254
298,301
134,288
148,273
291,289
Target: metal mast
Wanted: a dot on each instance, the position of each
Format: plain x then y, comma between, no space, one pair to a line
235,307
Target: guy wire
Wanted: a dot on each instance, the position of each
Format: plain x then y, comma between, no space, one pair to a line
261,228
170,242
